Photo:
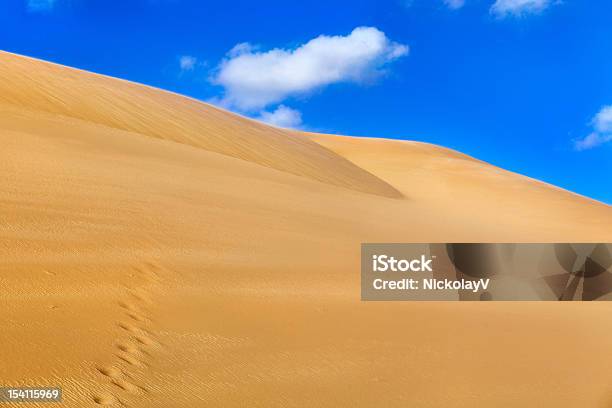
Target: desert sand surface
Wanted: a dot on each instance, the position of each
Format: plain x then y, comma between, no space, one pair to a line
159,252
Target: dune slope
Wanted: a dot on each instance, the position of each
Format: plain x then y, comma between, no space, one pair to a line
159,252
126,106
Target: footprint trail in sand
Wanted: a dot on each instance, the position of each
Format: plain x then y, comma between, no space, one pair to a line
137,345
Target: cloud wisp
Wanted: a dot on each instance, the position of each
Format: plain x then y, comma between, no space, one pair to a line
254,79
39,6
519,8
187,63
454,4
283,117
602,131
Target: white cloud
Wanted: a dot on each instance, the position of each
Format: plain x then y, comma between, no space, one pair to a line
518,8
254,79
602,124
187,62
454,4
592,140
36,6
283,116
241,48
603,120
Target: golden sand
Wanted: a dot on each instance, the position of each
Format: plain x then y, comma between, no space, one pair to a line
159,252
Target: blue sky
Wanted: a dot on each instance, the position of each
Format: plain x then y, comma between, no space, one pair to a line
523,84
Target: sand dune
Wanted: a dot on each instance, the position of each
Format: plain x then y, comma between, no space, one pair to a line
126,106
160,252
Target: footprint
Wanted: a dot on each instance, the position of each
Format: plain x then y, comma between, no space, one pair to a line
130,359
137,316
147,341
128,306
128,348
104,399
128,327
126,386
112,372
